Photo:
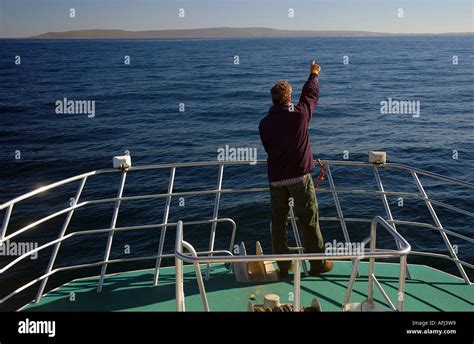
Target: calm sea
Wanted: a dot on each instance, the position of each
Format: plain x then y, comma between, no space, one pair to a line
137,109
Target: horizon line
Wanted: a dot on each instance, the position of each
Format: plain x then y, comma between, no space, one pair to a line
39,36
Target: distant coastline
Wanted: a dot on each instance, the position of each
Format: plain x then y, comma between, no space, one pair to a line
219,33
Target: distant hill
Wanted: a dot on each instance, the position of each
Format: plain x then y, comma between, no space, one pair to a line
208,33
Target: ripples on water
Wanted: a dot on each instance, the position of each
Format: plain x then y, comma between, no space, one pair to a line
137,110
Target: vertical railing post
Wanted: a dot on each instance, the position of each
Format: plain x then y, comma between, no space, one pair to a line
401,283
440,227
178,263
297,286
338,207
6,221
197,270
111,233
215,215
387,207
373,245
352,279
297,239
163,229
60,236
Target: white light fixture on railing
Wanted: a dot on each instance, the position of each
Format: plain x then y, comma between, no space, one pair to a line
378,158
122,162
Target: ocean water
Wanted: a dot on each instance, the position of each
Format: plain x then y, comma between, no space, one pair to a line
137,110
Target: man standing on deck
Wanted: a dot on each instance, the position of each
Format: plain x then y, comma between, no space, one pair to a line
285,137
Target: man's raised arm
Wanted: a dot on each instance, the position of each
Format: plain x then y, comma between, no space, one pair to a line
310,93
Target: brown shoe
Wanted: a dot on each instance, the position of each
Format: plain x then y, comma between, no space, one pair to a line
325,267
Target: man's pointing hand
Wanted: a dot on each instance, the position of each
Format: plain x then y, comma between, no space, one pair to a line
315,68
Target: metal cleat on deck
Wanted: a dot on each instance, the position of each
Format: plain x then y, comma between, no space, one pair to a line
254,271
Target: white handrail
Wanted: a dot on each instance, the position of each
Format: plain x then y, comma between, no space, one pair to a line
404,249
227,163
9,206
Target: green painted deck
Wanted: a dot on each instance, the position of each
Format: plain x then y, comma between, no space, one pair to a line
428,290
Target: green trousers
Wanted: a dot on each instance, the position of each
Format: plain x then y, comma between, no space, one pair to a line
303,197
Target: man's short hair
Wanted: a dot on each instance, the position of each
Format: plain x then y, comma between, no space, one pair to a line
281,92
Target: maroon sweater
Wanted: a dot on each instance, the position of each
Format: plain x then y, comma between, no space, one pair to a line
285,137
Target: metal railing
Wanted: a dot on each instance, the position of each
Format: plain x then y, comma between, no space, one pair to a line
7,234
401,253
71,235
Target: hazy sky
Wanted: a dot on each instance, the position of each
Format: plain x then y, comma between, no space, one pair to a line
20,18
